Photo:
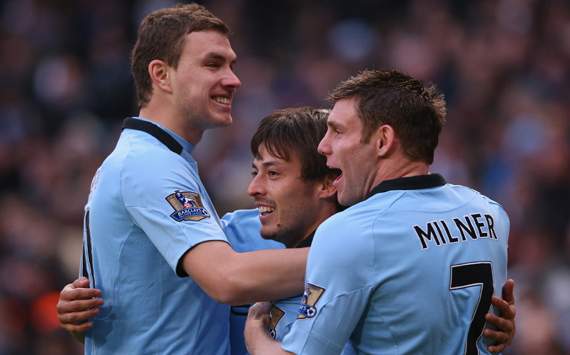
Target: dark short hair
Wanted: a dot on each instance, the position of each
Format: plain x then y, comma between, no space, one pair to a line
295,130
161,36
415,111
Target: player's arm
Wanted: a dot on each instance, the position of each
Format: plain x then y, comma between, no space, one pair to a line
76,306
258,341
505,322
337,289
167,205
240,278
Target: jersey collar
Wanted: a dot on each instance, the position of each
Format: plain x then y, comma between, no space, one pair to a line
409,183
166,136
306,242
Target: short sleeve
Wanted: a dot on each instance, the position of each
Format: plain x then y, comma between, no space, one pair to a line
282,315
164,199
337,289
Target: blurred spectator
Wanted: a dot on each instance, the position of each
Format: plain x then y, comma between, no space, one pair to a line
65,86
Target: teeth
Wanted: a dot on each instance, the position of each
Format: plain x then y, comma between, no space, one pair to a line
222,99
265,209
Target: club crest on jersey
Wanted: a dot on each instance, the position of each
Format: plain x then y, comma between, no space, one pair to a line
311,296
275,316
187,206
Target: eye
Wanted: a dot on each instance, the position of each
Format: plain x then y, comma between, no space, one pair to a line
253,173
333,130
213,65
272,173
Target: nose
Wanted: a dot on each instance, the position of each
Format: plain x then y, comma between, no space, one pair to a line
256,186
324,146
231,80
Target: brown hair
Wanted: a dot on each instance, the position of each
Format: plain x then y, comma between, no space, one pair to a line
296,130
161,36
416,112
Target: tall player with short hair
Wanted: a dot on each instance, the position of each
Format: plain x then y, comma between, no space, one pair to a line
153,242
411,266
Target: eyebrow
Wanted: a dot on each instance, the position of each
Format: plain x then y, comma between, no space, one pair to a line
333,124
220,57
266,164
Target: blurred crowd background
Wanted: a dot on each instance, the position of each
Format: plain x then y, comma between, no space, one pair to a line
504,66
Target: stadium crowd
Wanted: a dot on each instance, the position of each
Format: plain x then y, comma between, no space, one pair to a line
503,65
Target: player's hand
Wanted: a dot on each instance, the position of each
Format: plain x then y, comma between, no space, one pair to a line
505,323
256,325
77,304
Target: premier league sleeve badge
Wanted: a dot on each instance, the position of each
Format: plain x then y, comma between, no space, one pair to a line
311,296
187,206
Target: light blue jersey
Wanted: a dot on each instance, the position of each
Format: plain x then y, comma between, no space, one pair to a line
410,270
146,209
242,230
284,313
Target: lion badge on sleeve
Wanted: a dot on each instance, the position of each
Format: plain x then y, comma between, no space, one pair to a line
187,206
311,296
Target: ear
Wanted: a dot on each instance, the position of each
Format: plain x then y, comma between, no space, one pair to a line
385,140
326,188
160,75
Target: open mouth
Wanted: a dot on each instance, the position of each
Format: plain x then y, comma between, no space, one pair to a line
265,210
222,100
337,173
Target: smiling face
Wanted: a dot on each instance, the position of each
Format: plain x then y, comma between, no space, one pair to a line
203,82
289,206
344,149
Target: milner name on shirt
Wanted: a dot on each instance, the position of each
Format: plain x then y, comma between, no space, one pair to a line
455,230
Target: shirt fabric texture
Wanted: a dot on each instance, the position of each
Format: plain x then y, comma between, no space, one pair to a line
398,274
148,207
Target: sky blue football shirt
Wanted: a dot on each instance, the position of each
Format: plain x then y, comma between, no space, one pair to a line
147,207
410,270
242,230
284,313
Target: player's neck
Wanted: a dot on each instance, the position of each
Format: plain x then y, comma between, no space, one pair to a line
167,117
325,211
399,168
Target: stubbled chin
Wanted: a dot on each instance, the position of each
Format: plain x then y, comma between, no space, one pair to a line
267,233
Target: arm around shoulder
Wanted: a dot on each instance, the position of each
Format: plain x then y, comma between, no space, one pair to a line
238,278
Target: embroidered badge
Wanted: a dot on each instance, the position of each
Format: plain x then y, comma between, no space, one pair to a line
187,206
275,316
311,296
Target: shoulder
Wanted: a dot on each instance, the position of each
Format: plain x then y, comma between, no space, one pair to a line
242,227
351,235
149,171
344,240
479,197
147,161
239,217
357,219
142,152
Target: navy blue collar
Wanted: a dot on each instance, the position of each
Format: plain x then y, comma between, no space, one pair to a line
306,242
409,183
405,183
166,137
